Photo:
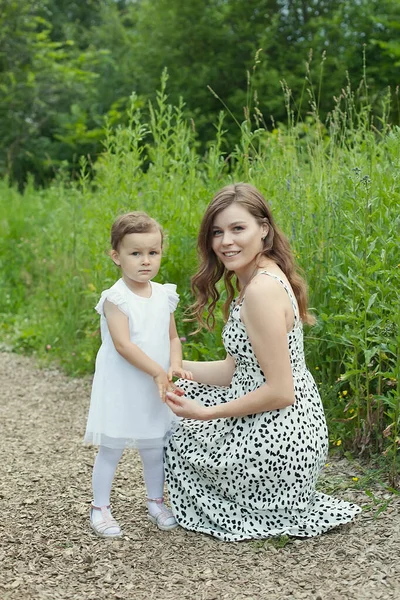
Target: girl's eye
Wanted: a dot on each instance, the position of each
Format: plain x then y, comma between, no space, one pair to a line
135,253
153,253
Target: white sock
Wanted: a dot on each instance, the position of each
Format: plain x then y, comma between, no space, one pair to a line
153,473
104,469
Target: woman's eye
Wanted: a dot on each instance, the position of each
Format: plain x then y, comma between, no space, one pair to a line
238,228
217,232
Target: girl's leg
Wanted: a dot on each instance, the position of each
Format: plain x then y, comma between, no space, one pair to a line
153,473
104,469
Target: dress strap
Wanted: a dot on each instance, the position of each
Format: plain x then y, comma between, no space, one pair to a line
289,292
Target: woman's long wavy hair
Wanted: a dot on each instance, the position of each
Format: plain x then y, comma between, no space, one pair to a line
211,270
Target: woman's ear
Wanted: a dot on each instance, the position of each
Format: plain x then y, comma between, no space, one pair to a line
115,258
265,230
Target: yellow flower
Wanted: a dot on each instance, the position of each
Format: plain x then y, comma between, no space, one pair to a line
91,287
317,368
345,392
355,478
339,443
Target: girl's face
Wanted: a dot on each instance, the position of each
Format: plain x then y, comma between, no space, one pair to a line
237,239
139,256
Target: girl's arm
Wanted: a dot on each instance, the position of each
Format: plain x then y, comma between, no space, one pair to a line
176,367
264,313
118,326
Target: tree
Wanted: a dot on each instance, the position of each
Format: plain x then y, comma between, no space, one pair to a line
46,88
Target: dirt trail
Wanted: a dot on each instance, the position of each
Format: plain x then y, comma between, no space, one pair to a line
47,550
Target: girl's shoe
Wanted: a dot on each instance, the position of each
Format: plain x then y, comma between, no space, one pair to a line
106,526
162,517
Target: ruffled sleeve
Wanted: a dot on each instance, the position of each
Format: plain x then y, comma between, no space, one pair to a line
173,297
115,297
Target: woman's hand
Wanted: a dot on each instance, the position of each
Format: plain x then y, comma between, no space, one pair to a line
183,407
179,371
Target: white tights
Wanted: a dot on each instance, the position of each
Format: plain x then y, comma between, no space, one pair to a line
106,464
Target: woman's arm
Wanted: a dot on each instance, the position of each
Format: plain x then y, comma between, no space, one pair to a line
264,315
216,372
118,326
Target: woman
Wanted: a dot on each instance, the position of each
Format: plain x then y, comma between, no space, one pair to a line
244,461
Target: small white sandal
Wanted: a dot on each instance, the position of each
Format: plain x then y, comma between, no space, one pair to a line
165,515
107,523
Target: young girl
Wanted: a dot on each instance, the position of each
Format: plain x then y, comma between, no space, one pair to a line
244,461
140,352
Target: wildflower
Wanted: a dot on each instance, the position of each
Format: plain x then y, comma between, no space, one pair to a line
355,478
339,443
345,392
327,465
183,339
388,430
48,347
317,368
91,287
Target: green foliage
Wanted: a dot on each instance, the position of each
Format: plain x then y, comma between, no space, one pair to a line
335,192
66,68
48,110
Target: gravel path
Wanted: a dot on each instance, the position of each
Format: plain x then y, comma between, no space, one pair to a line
47,551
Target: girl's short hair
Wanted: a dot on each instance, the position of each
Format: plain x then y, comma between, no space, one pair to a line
133,222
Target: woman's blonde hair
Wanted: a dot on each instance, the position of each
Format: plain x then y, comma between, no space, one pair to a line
211,270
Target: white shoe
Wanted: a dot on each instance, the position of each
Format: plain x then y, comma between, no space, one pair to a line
107,527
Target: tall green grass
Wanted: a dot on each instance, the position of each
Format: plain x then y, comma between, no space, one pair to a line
334,189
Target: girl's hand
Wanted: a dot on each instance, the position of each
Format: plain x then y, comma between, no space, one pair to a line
183,407
163,383
180,372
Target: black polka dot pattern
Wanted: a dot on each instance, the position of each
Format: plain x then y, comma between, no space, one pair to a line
253,477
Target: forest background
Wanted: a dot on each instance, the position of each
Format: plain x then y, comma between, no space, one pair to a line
299,98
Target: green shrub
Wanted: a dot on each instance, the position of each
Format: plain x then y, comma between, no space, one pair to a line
334,190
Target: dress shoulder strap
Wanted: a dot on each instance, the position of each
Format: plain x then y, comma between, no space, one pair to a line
289,292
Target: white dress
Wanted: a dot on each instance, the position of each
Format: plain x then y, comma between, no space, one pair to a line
125,407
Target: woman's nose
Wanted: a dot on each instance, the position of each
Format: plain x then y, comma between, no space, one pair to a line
227,239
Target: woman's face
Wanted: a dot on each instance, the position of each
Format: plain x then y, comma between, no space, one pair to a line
237,239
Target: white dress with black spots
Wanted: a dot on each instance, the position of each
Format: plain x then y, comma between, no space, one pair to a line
254,476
